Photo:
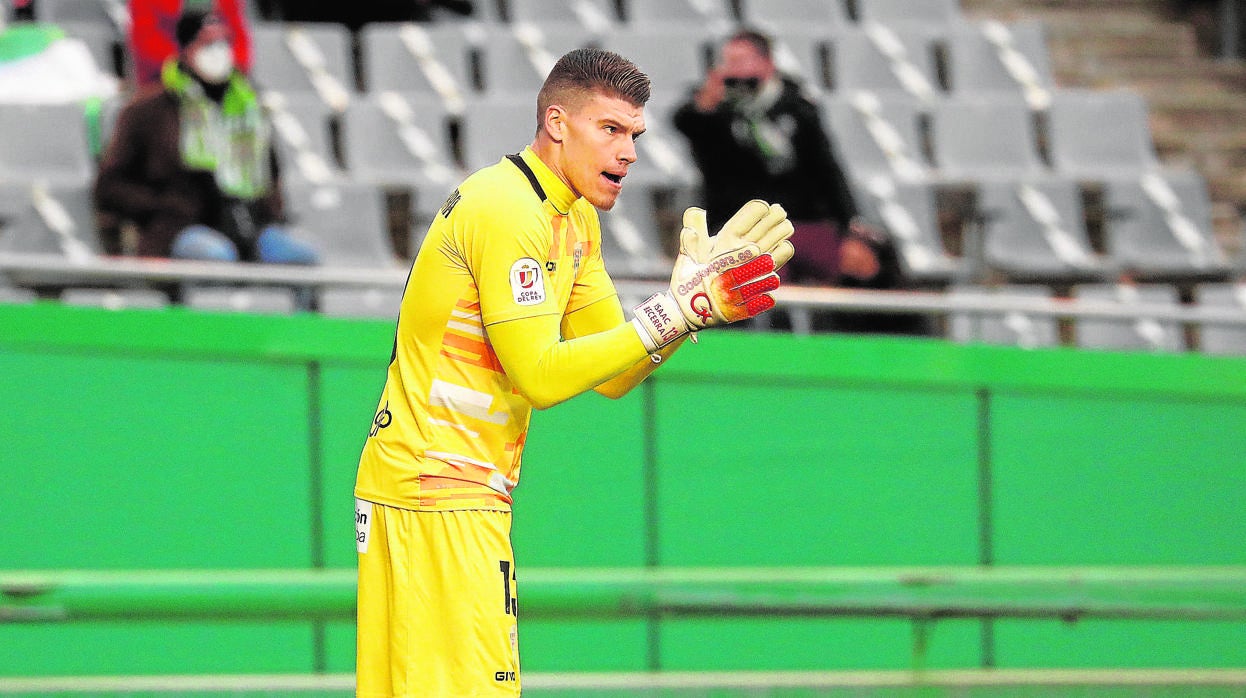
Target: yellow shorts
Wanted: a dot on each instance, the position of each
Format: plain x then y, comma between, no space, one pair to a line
437,605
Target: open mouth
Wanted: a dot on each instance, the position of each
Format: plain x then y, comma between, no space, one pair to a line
616,178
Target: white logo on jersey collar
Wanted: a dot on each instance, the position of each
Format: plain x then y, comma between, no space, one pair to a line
527,282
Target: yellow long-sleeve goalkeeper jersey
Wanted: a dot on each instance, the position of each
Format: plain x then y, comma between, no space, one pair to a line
513,242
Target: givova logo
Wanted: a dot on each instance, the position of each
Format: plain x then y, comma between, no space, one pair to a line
501,676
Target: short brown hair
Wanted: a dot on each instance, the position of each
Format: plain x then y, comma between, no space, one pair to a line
584,70
759,40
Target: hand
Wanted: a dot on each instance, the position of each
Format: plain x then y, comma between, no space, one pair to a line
719,279
711,93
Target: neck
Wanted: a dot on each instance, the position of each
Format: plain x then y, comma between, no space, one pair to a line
550,153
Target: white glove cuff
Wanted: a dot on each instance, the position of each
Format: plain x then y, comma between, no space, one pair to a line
658,321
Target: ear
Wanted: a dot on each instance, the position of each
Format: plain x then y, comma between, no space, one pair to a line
555,122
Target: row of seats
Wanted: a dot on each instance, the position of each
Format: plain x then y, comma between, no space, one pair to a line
1011,327
1142,333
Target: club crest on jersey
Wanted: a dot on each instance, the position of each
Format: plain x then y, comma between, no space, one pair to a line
527,282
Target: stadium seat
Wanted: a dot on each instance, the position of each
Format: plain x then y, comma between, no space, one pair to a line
493,128
671,59
241,299
1035,229
101,39
48,219
424,59
632,237
803,55
876,136
304,58
1222,339
44,142
981,138
932,16
104,12
380,302
596,16
516,58
909,213
116,298
664,157
781,17
1006,327
345,221
1160,225
992,58
881,59
1095,135
392,138
701,19
14,295
1142,333
302,130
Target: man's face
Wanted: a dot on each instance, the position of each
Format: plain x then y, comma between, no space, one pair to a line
210,54
743,67
599,147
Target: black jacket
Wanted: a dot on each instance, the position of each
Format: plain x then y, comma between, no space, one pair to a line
792,165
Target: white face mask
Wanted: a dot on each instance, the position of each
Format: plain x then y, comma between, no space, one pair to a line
214,62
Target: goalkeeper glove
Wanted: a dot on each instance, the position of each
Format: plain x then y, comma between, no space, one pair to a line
719,279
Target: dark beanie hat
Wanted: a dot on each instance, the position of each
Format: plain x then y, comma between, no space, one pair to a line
189,24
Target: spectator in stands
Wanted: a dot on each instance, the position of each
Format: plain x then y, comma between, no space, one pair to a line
191,162
152,27
746,118
355,14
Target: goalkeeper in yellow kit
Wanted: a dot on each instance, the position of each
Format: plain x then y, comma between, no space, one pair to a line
508,307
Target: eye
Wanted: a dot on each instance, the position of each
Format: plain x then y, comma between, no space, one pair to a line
611,129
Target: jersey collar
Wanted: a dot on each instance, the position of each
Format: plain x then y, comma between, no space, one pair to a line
556,191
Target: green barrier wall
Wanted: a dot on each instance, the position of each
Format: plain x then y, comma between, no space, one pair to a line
179,440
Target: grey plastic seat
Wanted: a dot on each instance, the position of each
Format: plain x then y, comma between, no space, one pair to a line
1007,327
933,16
909,213
1096,135
882,59
983,138
1161,225
302,132
304,58
992,57
1140,333
516,58
399,139
48,219
416,58
700,19
116,298
632,242
105,12
597,16
44,142
664,157
346,222
1228,340
13,295
780,17
380,302
241,299
670,58
1036,229
876,136
493,128
101,39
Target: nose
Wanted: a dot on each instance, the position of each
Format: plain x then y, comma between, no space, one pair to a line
627,152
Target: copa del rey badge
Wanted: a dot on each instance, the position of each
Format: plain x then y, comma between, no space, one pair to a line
527,282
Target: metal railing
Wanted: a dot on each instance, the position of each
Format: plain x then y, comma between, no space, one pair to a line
34,269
